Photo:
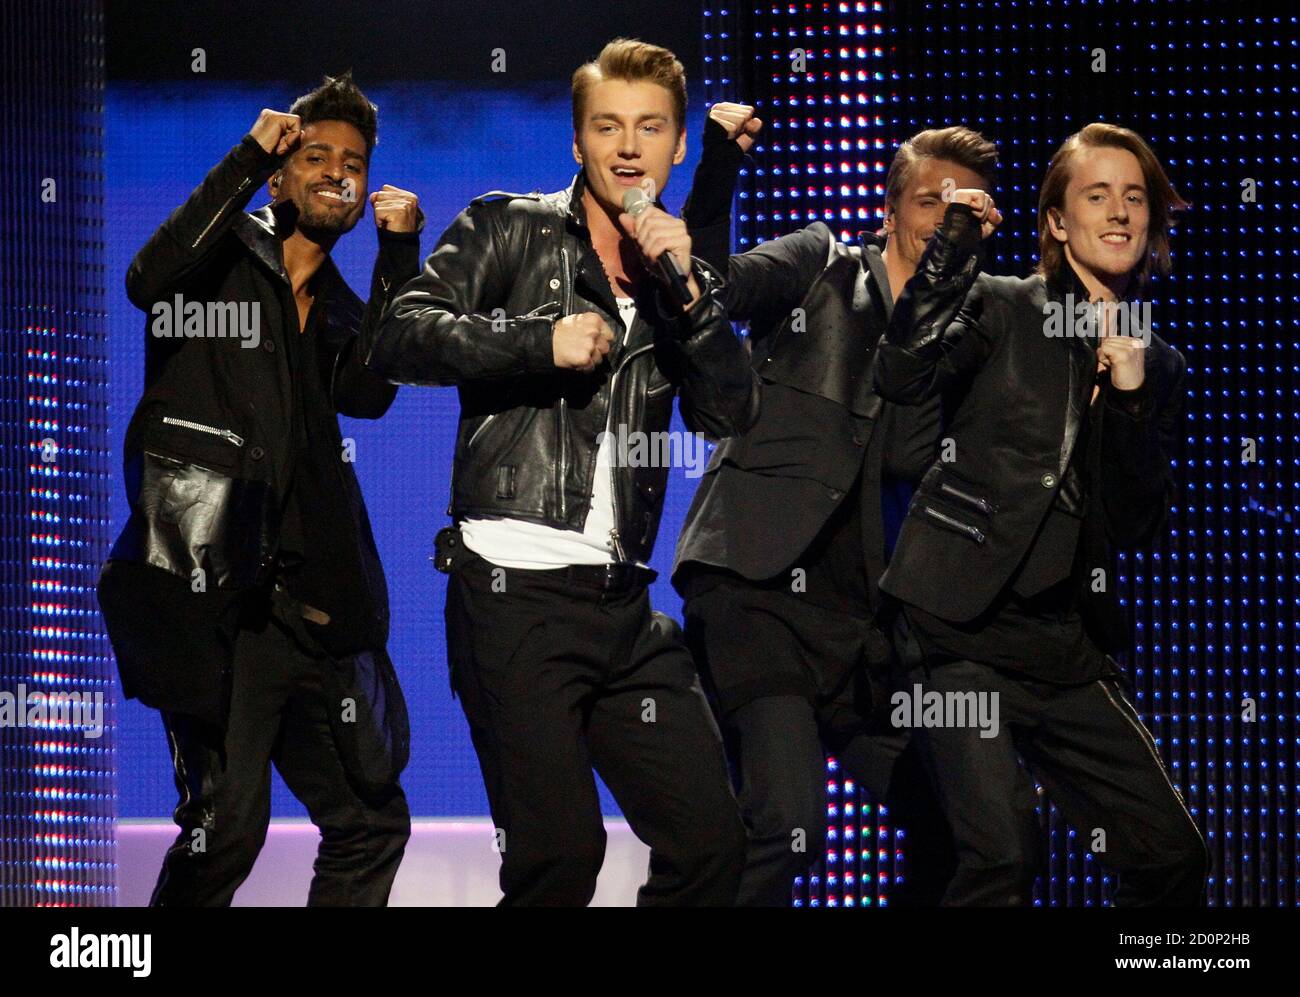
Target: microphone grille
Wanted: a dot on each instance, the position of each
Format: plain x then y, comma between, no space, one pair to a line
635,201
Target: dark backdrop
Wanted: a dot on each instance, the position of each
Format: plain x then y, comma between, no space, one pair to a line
1213,87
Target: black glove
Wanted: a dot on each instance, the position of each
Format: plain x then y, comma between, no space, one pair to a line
714,185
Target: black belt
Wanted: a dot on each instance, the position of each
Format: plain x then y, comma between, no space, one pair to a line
618,576
317,616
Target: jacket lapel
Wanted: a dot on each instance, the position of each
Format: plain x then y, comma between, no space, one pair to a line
256,230
1080,360
829,353
588,273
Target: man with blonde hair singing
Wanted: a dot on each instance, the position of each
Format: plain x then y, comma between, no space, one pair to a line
546,312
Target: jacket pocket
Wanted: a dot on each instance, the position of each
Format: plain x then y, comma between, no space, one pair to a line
198,427
657,382
945,521
478,430
203,443
967,498
191,518
550,309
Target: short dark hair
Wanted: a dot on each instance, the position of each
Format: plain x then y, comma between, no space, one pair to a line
956,144
1164,200
340,99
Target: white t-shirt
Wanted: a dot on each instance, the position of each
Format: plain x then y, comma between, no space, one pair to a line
522,543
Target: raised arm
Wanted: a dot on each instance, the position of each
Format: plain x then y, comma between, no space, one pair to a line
937,333
769,281
707,211
358,391
185,240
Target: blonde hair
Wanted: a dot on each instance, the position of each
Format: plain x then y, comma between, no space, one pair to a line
1164,200
634,61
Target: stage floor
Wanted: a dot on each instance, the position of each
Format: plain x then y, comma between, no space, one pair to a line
448,863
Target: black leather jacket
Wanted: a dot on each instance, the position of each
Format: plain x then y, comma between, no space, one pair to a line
210,448
480,317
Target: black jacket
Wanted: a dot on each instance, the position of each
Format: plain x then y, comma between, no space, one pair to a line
816,309
209,450
480,317
1015,399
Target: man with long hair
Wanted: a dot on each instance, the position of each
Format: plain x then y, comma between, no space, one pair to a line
1061,428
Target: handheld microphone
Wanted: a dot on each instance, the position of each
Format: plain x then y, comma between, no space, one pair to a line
635,203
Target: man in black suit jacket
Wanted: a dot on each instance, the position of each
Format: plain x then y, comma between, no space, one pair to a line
785,540
1056,455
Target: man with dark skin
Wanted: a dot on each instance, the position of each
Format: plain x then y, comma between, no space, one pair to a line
244,598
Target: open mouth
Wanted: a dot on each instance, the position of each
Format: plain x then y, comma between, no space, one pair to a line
328,194
1116,238
627,176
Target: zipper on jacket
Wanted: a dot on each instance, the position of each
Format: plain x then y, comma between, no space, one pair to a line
973,532
562,416
225,434
482,426
614,535
387,285
983,505
238,190
613,538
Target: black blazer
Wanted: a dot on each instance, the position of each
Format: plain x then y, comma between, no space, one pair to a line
1014,400
816,310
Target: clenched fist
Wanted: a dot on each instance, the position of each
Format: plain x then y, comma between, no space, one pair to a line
580,342
276,131
739,121
982,204
1125,358
396,210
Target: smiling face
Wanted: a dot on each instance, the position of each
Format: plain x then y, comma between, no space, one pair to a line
1104,216
919,210
325,179
628,135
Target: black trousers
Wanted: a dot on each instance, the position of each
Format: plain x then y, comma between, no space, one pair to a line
281,701
778,739
1098,762
557,678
